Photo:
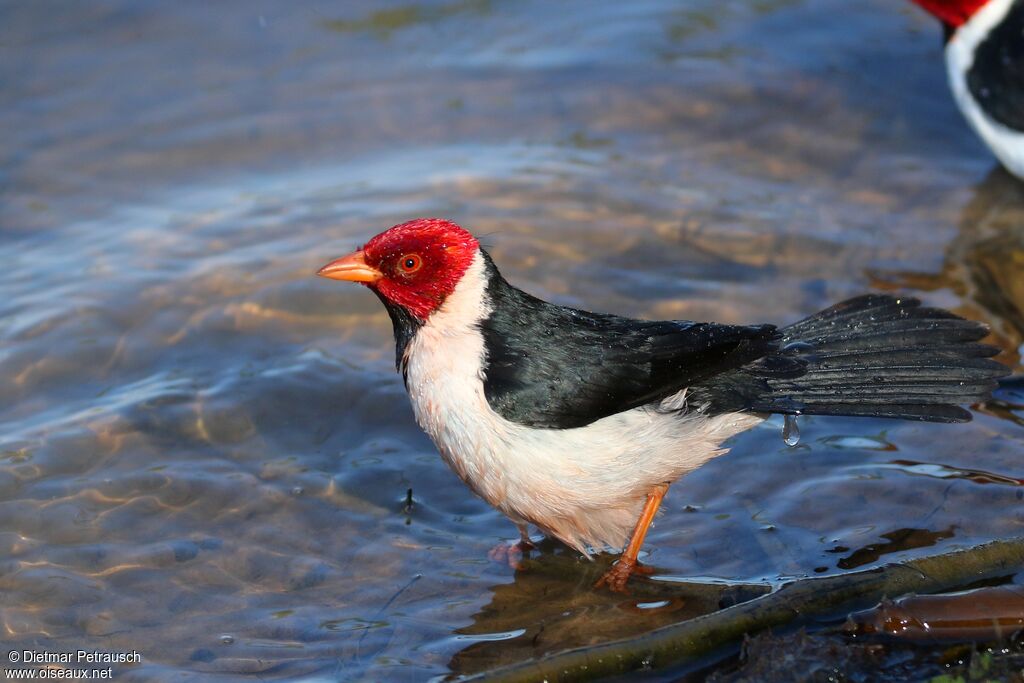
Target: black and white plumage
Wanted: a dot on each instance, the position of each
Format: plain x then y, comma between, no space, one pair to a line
985,64
567,419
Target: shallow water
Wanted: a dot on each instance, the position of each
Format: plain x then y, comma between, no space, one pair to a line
205,452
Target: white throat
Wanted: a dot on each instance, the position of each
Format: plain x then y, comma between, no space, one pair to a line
444,372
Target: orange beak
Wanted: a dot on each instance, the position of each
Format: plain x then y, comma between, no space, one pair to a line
352,268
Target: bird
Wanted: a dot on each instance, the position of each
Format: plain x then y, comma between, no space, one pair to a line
578,422
984,51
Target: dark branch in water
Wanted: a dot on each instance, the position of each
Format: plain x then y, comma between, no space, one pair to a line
793,604
986,614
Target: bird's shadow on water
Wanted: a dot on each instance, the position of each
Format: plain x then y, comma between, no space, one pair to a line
552,605
983,264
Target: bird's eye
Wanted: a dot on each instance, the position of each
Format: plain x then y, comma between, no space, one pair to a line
410,263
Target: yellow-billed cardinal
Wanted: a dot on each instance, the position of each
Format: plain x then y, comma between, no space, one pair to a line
578,422
985,63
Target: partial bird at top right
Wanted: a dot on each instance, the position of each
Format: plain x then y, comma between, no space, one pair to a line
985,62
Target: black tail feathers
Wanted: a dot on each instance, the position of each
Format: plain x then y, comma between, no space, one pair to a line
874,356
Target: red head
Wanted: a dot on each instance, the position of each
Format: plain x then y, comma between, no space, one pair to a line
415,265
952,13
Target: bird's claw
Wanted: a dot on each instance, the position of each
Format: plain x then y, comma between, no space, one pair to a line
510,553
617,576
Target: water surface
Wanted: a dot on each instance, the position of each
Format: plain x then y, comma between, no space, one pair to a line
205,452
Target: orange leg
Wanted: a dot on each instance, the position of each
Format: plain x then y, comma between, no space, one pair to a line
512,554
616,577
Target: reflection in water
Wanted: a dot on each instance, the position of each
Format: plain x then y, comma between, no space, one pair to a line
552,606
984,264
946,472
382,23
896,541
1008,402
863,442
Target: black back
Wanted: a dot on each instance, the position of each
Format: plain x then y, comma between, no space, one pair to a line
996,78
557,367
554,367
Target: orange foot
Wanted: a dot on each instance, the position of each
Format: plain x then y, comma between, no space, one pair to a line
616,577
510,553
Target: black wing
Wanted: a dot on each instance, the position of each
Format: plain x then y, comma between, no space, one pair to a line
556,367
996,77
871,356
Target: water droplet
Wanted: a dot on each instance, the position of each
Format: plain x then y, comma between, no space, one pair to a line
227,639
790,430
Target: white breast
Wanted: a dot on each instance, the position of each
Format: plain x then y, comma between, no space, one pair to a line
585,486
1006,143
